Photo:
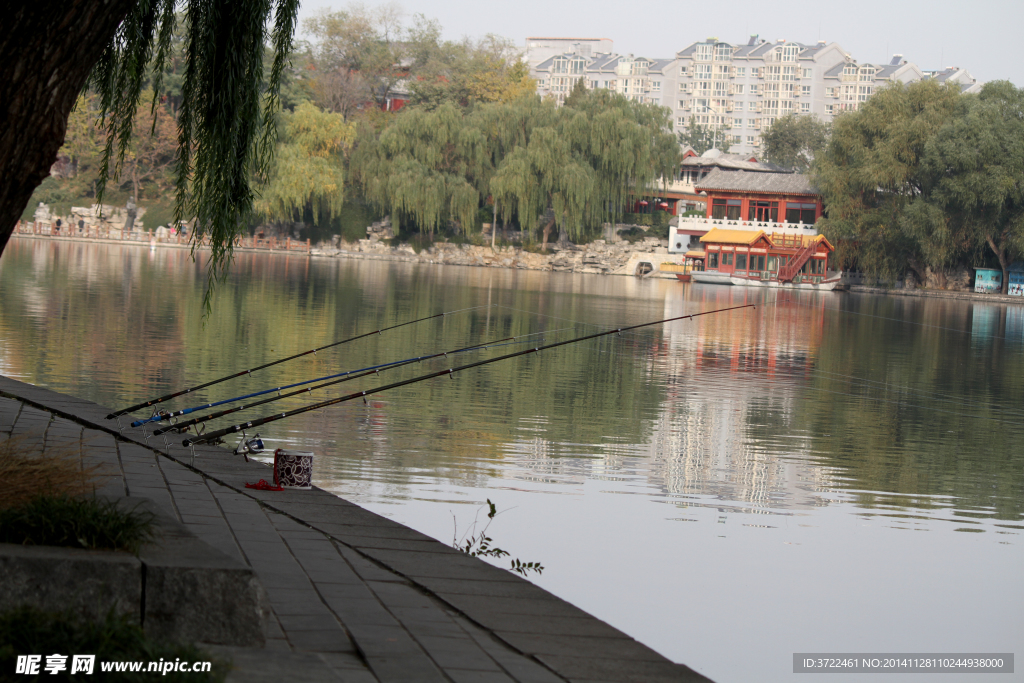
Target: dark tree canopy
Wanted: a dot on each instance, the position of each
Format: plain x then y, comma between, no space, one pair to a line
924,177
794,140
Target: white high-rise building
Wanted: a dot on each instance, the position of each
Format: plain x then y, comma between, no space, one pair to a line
740,89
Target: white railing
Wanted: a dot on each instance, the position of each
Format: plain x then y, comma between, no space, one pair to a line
700,223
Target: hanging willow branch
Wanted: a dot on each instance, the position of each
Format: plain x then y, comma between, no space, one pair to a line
226,130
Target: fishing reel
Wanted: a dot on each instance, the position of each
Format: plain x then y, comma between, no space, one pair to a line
246,446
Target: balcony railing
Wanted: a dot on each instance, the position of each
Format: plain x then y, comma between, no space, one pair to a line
794,231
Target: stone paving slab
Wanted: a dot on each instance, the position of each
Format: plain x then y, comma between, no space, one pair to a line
352,596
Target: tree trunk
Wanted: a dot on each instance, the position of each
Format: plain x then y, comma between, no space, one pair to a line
494,225
919,271
47,49
1001,255
547,233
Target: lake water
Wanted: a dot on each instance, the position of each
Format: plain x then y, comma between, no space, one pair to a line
825,472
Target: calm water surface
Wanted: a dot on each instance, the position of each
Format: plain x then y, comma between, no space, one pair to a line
824,473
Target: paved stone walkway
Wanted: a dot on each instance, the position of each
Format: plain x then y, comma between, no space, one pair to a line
354,596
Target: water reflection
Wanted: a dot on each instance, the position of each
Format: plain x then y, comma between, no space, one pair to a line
804,433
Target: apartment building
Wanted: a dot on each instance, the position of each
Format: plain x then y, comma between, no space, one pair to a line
739,89
637,78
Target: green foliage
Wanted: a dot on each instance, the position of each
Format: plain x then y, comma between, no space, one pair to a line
580,162
226,129
309,168
26,630
61,520
922,176
870,172
794,140
704,137
974,178
482,545
427,167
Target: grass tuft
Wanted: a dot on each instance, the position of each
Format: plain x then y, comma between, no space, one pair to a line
27,470
63,520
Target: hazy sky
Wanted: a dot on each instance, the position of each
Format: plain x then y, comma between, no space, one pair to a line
981,36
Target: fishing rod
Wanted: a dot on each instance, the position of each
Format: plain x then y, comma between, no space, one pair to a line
164,415
211,436
364,372
151,402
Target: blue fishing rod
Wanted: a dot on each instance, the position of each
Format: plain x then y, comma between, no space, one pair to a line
345,377
214,435
182,392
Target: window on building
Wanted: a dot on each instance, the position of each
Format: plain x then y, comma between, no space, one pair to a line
578,65
593,85
682,70
741,72
726,208
713,260
830,109
789,53
739,88
610,85
560,66
741,261
702,71
737,123
750,139
680,121
773,73
721,88
737,139
542,83
753,88
723,52
751,123
805,90
807,73
704,52
682,104
800,213
805,107
830,92
655,86
727,259
757,262
789,73
763,211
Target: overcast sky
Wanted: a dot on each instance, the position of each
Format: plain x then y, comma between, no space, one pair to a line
982,36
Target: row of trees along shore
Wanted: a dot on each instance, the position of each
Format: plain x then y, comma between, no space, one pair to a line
474,143
919,178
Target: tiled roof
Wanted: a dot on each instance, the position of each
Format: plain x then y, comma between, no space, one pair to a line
722,236
733,161
757,181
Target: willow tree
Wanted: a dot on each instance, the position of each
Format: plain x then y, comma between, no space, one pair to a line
51,48
426,166
309,166
872,181
577,166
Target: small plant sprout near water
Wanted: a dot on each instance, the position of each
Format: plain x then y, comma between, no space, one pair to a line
482,545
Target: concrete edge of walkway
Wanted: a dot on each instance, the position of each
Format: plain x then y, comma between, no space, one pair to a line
569,642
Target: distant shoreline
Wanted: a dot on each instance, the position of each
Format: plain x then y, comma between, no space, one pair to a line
517,259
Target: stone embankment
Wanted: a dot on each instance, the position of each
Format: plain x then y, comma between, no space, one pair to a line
613,256
347,596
